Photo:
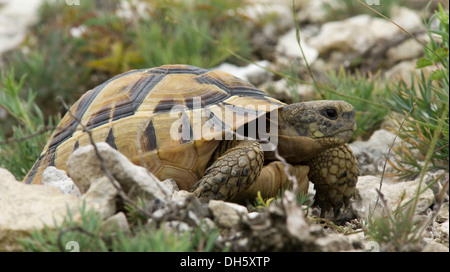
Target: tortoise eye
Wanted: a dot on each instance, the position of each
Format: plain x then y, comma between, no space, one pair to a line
331,114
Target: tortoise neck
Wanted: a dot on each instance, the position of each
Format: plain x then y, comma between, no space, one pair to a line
294,143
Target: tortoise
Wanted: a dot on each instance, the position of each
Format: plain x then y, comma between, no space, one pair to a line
197,126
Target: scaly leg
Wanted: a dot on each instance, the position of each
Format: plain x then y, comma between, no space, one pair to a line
334,173
231,173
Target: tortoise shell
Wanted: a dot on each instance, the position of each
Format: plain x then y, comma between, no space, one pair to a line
136,113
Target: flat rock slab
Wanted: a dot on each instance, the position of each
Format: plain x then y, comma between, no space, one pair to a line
24,208
84,167
365,203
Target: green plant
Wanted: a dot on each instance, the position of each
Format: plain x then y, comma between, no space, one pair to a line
304,199
166,32
74,48
343,9
149,238
395,231
87,234
135,216
29,129
420,106
188,33
422,118
52,58
90,234
261,203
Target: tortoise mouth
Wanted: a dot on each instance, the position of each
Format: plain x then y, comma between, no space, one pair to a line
344,134
336,139
298,149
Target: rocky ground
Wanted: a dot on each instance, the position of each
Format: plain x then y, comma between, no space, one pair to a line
280,227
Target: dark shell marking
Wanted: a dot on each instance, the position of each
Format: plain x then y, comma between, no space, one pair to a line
137,104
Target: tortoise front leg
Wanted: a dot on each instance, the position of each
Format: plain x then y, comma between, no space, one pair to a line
334,173
272,179
231,173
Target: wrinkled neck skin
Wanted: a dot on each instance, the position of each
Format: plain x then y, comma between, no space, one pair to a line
294,149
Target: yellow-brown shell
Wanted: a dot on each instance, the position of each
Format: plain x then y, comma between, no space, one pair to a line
132,113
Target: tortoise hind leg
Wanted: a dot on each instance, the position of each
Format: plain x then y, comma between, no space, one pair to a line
231,173
273,180
334,173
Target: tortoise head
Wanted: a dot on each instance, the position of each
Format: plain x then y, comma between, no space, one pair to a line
308,128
